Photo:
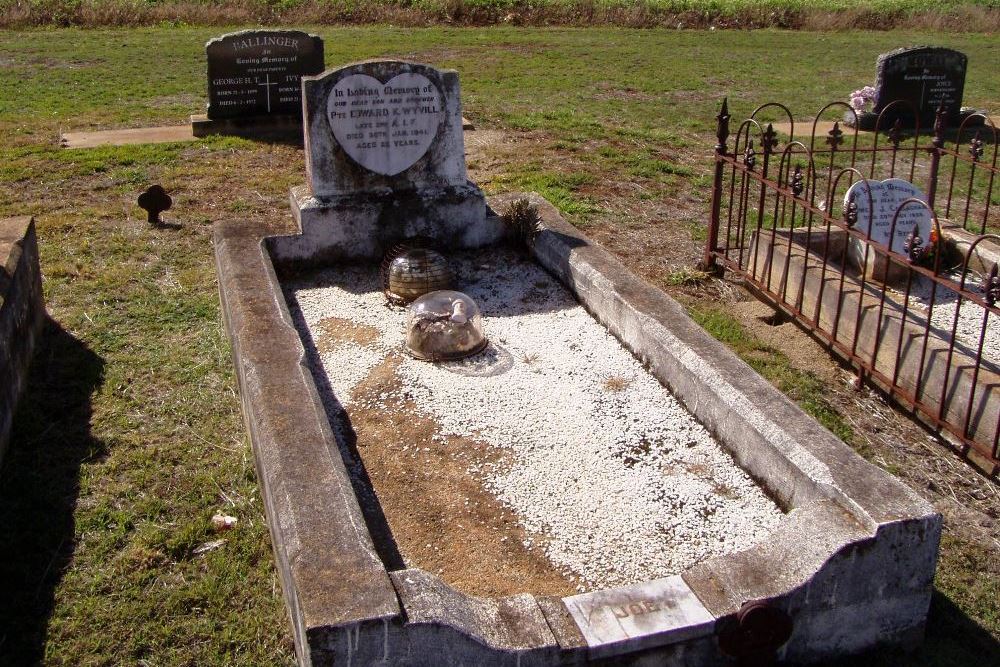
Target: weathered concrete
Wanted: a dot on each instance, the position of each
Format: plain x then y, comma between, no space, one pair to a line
127,137
331,171
653,613
22,312
875,333
890,536
347,210
985,254
852,562
368,225
330,572
263,128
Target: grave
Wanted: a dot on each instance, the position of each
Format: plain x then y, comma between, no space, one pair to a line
723,520
254,83
876,204
924,78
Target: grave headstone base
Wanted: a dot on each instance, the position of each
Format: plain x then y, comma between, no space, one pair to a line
366,225
879,268
867,120
267,128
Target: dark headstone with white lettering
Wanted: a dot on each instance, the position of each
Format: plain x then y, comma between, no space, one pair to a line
924,77
254,82
257,72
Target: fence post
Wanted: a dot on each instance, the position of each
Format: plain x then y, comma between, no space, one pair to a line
937,144
711,244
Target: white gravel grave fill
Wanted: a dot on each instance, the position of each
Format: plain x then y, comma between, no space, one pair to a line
970,316
613,479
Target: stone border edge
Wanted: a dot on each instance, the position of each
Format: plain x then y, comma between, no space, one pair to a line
305,486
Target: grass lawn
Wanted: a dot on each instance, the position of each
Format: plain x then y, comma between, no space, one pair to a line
130,438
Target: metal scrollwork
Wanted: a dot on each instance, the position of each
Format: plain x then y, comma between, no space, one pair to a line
769,141
750,156
991,287
851,213
722,128
976,148
835,136
895,133
914,247
797,182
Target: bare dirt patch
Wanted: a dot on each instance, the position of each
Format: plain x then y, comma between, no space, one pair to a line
333,330
441,517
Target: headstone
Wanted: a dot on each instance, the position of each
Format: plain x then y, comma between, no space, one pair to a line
385,161
925,77
384,124
254,78
875,218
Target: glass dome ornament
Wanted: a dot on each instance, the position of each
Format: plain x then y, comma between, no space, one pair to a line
410,271
444,325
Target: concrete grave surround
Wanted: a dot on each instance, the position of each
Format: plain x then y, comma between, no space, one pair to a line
22,312
361,199
852,562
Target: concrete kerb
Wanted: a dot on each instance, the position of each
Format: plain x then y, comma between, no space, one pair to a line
853,535
22,313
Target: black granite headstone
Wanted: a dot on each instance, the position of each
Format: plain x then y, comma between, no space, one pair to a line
926,77
257,72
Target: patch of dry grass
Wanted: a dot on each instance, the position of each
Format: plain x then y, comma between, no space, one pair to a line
958,15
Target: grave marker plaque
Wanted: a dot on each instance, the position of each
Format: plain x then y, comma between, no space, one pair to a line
875,217
383,124
877,214
257,72
926,77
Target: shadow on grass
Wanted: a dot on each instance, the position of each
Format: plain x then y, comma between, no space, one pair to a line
952,640
39,485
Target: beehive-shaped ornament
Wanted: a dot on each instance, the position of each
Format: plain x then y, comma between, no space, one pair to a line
411,272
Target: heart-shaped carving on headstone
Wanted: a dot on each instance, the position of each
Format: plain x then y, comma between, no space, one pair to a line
385,127
886,197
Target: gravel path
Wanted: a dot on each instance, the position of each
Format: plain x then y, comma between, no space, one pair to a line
613,480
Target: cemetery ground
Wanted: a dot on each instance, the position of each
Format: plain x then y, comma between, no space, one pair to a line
129,436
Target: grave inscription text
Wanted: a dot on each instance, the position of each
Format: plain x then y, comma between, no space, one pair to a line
926,77
886,198
386,128
258,72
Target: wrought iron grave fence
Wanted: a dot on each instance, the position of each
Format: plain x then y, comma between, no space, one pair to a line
918,318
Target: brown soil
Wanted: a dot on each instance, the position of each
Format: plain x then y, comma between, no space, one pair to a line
333,330
442,518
